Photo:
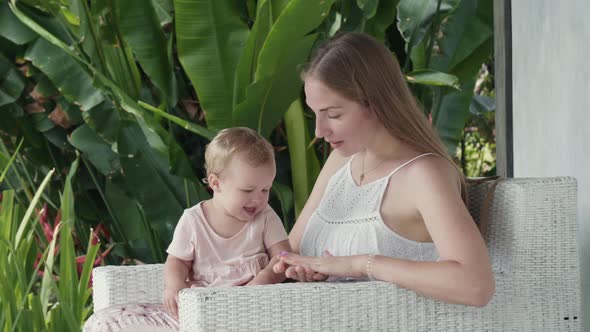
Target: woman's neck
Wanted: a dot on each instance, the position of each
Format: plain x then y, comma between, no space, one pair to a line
383,146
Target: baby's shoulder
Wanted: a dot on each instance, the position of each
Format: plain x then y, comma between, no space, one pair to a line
192,215
195,209
266,214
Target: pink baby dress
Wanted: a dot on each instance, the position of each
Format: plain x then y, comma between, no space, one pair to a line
220,261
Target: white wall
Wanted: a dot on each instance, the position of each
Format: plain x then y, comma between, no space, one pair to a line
551,102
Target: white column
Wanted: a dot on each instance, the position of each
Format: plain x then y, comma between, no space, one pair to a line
551,102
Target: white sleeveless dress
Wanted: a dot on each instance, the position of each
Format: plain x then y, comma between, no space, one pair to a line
348,222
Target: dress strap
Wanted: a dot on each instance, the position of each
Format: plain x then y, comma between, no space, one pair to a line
410,161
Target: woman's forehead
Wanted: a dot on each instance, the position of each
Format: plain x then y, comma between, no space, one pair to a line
318,96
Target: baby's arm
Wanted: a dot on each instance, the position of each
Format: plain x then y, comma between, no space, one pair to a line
175,274
267,275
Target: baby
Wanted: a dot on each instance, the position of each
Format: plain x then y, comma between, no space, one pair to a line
227,240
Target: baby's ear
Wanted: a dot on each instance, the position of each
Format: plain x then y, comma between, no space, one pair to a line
213,181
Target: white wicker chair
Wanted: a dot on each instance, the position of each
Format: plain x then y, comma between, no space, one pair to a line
531,236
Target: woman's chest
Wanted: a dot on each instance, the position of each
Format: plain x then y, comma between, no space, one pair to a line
399,213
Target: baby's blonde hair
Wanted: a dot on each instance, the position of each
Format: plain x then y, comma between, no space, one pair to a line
230,143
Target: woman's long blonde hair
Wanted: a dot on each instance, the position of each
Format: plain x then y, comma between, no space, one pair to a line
360,68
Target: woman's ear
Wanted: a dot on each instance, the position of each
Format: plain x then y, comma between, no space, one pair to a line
369,108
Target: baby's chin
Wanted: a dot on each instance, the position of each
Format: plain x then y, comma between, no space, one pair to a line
248,214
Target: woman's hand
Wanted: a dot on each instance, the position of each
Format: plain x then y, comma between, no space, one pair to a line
299,273
305,268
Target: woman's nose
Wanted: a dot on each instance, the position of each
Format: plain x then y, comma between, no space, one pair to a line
320,131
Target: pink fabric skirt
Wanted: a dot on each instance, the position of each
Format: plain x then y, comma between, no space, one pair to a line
132,317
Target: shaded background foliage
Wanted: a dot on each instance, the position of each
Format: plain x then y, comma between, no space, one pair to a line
137,88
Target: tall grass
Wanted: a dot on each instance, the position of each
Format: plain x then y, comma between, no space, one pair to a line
43,287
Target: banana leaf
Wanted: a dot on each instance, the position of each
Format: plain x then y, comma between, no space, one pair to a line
210,38
164,10
135,231
415,18
382,19
296,21
163,196
70,78
247,65
12,29
104,120
369,7
276,79
285,197
432,78
140,28
467,39
268,99
12,83
452,114
305,165
96,150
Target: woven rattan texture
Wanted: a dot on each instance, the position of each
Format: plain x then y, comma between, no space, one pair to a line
531,236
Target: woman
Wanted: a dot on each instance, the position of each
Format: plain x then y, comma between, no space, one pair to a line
389,204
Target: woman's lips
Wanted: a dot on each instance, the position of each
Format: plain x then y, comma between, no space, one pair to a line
335,145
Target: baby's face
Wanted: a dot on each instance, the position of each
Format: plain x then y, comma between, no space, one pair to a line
244,189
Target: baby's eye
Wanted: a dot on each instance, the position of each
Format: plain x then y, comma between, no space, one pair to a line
247,190
265,190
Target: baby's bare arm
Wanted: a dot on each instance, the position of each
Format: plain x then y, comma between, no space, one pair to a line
267,275
175,274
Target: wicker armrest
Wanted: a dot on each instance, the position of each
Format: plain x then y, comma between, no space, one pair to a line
347,306
127,284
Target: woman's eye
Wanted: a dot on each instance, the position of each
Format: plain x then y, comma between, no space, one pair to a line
265,190
333,116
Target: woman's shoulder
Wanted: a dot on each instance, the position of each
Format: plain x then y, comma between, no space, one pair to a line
430,163
431,172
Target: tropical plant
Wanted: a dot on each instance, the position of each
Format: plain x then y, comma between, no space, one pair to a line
45,287
137,88
477,151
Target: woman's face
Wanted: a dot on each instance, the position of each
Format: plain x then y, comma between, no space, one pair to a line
345,124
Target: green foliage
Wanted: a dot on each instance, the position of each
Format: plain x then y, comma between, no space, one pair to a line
32,298
477,151
110,105
136,89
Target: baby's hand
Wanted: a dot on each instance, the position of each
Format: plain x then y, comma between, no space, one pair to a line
171,298
299,273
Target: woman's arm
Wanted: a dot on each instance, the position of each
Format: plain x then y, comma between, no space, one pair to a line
463,273
334,162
